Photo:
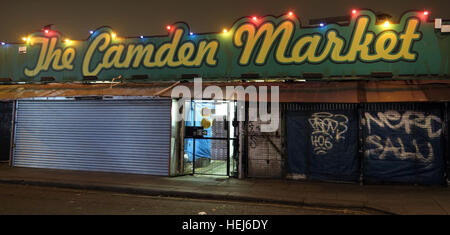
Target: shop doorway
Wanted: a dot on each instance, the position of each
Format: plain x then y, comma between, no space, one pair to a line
210,140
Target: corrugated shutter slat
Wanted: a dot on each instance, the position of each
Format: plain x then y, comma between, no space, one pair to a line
125,136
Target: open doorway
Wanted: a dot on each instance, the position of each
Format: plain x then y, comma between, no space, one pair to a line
210,140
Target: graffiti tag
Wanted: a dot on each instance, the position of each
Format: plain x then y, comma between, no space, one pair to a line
429,126
327,129
409,119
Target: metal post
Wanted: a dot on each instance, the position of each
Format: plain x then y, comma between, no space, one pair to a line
361,135
193,138
445,144
228,139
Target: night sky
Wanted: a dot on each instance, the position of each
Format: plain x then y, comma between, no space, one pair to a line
75,18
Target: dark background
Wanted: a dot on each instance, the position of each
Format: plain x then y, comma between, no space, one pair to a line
75,18
5,129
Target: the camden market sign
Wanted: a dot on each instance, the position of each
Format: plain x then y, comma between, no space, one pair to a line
273,47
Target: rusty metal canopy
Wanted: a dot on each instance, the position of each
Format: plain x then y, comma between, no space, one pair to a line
311,92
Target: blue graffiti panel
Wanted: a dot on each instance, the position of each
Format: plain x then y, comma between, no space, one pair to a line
322,145
403,146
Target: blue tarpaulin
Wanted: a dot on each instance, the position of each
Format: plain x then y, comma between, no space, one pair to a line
202,146
323,144
403,146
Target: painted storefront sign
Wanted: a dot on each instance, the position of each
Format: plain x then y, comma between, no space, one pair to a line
269,46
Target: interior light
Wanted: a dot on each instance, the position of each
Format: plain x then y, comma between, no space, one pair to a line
221,109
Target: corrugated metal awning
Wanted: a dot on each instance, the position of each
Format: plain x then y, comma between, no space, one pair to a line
311,92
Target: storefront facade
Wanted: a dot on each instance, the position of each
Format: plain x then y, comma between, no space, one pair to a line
361,102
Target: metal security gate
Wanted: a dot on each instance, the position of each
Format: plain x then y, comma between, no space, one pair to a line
322,141
210,138
403,143
124,136
264,151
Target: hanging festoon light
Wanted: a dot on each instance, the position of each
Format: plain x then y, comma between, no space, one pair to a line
91,32
169,27
3,43
113,35
225,32
321,24
354,13
68,41
386,24
26,39
191,33
425,15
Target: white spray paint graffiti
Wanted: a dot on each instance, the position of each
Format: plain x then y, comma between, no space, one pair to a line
327,129
395,146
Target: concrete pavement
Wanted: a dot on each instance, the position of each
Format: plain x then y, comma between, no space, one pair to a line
391,199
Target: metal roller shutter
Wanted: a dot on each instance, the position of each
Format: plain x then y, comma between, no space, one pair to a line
125,136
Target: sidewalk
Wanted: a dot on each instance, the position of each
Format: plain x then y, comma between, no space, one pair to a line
390,199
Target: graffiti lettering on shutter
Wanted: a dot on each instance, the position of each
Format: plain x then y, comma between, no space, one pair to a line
426,127
327,130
